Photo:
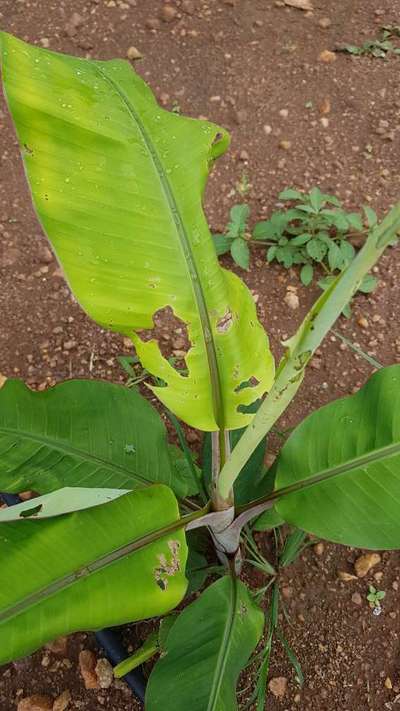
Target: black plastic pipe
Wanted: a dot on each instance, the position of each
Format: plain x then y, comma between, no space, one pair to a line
11,499
108,639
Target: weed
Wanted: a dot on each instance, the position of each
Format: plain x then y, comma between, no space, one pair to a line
374,598
314,231
287,551
379,48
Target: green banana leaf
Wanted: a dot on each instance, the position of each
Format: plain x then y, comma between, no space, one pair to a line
82,433
117,183
90,569
206,649
350,449
269,519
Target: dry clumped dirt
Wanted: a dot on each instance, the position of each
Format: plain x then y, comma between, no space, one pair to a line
254,66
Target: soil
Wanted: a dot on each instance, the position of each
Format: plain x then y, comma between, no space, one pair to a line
254,67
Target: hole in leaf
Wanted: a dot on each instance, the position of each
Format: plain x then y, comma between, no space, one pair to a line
250,383
163,584
173,348
249,409
31,512
217,138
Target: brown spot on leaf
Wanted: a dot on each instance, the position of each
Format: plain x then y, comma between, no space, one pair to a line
225,323
168,569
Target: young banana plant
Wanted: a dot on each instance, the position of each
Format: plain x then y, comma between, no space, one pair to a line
117,184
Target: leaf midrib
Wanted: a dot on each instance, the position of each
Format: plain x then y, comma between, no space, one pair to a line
216,388
332,472
224,648
73,452
91,568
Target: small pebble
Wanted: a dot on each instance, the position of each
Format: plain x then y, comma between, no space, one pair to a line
278,686
105,674
188,6
153,24
45,255
346,577
58,646
133,53
365,562
325,106
168,13
87,665
325,22
327,56
63,701
292,300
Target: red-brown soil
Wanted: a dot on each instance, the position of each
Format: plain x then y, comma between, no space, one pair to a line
240,63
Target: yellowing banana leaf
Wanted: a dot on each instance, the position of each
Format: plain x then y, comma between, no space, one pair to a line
90,569
117,183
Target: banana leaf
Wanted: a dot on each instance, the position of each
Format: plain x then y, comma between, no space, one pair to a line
90,569
117,183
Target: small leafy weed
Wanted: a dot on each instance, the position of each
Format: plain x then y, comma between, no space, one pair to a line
286,552
236,237
379,48
313,231
374,598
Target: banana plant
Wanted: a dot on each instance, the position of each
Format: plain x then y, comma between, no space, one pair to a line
110,535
